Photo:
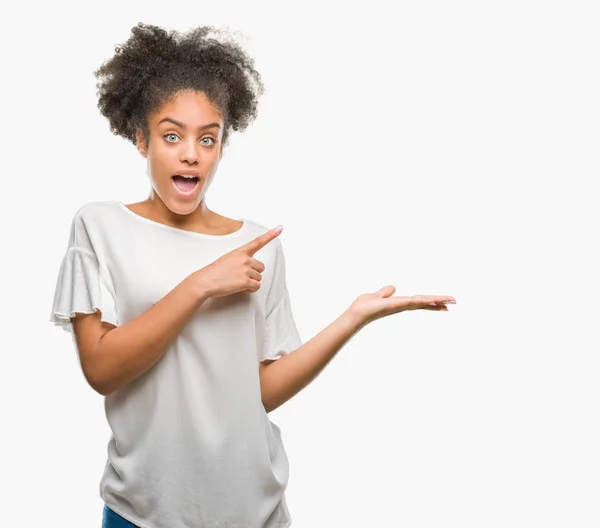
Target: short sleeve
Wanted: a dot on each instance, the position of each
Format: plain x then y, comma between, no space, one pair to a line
281,333
82,285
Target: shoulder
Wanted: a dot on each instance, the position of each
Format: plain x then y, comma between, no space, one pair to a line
93,214
89,219
94,209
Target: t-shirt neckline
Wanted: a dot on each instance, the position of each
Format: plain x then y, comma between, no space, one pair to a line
179,230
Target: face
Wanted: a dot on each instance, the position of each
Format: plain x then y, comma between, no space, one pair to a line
185,134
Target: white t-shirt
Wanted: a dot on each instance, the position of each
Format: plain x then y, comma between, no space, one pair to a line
191,445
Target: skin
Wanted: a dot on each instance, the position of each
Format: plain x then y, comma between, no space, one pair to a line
172,148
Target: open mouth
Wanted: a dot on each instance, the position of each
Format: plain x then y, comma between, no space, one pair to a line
185,185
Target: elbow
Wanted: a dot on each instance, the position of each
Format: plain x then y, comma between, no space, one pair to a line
95,383
97,379
100,390
98,375
92,370
269,406
267,402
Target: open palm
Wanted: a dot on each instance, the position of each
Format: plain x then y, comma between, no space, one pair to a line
369,307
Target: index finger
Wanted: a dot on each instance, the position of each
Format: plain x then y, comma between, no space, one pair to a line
261,241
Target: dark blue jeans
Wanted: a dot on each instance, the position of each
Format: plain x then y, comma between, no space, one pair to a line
110,519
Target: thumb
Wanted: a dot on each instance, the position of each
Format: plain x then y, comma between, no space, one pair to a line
386,291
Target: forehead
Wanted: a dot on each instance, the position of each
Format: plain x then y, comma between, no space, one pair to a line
189,107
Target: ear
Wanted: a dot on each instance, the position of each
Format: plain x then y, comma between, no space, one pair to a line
140,143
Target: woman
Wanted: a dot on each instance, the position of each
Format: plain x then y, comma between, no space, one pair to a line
181,316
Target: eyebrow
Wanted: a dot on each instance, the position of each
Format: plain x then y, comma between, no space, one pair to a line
171,120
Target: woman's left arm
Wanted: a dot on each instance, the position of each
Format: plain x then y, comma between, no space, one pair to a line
285,377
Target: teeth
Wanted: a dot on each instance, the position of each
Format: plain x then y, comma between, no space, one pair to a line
188,176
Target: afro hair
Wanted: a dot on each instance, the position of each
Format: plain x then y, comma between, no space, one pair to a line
154,64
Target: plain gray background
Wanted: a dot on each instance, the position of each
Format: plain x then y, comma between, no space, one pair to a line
445,148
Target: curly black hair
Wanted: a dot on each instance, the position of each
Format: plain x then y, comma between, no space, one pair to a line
154,64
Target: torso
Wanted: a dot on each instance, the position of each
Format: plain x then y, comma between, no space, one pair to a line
219,225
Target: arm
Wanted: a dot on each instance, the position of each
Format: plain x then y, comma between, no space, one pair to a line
113,356
126,352
285,377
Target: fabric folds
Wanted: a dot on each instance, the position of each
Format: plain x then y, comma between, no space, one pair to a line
82,287
281,333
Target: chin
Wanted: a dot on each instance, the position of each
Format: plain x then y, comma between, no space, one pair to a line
182,208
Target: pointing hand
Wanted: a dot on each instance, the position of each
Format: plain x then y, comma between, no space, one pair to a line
237,270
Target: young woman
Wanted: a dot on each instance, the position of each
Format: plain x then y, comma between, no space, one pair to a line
181,316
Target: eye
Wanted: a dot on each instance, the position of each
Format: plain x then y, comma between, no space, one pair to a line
213,141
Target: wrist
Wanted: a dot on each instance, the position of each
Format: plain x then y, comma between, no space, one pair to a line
353,320
199,287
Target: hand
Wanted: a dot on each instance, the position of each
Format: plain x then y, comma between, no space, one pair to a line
369,307
235,271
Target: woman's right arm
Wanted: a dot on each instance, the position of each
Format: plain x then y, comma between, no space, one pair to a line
112,356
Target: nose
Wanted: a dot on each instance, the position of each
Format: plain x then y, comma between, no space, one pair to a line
189,153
